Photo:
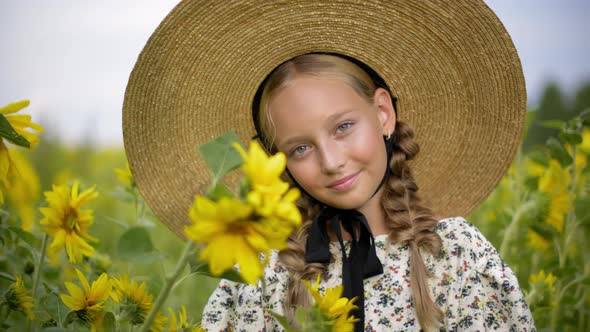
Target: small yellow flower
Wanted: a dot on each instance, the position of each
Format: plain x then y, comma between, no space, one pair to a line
533,168
20,122
136,302
542,278
124,175
66,222
24,189
263,172
555,182
585,145
17,298
333,305
182,324
159,322
88,301
536,241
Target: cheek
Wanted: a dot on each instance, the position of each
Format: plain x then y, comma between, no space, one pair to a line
368,148
304,172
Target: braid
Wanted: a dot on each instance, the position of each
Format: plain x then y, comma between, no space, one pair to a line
293,258
410,222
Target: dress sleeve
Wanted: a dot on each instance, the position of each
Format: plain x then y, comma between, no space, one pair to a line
240,307
233,307
491,298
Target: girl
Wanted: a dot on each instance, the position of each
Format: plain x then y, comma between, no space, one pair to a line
318,77
334,124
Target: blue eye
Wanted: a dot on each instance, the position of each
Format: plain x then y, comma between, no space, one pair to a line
299,150
344,126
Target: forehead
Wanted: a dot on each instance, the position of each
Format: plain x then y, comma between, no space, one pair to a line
308,101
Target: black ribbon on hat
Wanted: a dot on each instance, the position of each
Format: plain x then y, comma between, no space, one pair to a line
362,261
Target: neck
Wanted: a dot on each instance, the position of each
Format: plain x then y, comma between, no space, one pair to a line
374,213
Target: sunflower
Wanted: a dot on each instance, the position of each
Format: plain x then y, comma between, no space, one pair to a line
136,302
17,298
263,172
20,123
544,280
536,241
555,182
24,190
229,234
334,307
88,302
125,177
182,324
66,222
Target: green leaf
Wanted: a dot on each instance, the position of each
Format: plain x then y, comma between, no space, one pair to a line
71,317
283,321
7,276
220,155
200,267
582,207
109,322
585,114
557,124
559,152
218,190
135,242
24,235
545,230
540,157
571,137
10,134
54,329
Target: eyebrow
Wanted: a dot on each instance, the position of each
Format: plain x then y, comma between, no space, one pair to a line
331,118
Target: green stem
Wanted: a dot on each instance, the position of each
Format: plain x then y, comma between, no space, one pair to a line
4,312
188,250
567,227
512,230
37,275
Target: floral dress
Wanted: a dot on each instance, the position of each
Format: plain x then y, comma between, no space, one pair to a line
476,290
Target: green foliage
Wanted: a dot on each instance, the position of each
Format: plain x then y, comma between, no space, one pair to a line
220,156
542,209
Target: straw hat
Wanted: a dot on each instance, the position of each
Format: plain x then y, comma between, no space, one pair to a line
451,63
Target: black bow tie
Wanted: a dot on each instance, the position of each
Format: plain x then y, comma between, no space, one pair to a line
362,262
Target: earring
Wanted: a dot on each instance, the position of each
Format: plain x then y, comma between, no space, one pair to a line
388,134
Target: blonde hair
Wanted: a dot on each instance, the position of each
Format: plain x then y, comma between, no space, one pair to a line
407,220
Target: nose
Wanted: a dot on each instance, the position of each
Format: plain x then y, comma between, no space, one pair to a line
332,160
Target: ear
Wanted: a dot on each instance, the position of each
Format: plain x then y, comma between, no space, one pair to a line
385,111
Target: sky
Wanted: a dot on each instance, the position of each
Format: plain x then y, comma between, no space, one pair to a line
72,58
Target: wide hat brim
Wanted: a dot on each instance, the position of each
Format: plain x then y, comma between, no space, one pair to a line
452,65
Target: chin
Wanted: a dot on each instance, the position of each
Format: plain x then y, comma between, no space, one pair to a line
347,202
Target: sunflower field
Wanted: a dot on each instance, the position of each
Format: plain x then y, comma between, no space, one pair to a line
80,249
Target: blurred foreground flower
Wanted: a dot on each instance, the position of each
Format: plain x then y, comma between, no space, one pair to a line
87,303
66,222
16,298
136,303
24,190
13,129
235,231
125,177
334,308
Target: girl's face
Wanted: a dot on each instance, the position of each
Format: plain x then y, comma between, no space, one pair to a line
333,138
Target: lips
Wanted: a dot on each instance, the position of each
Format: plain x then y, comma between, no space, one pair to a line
344,183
